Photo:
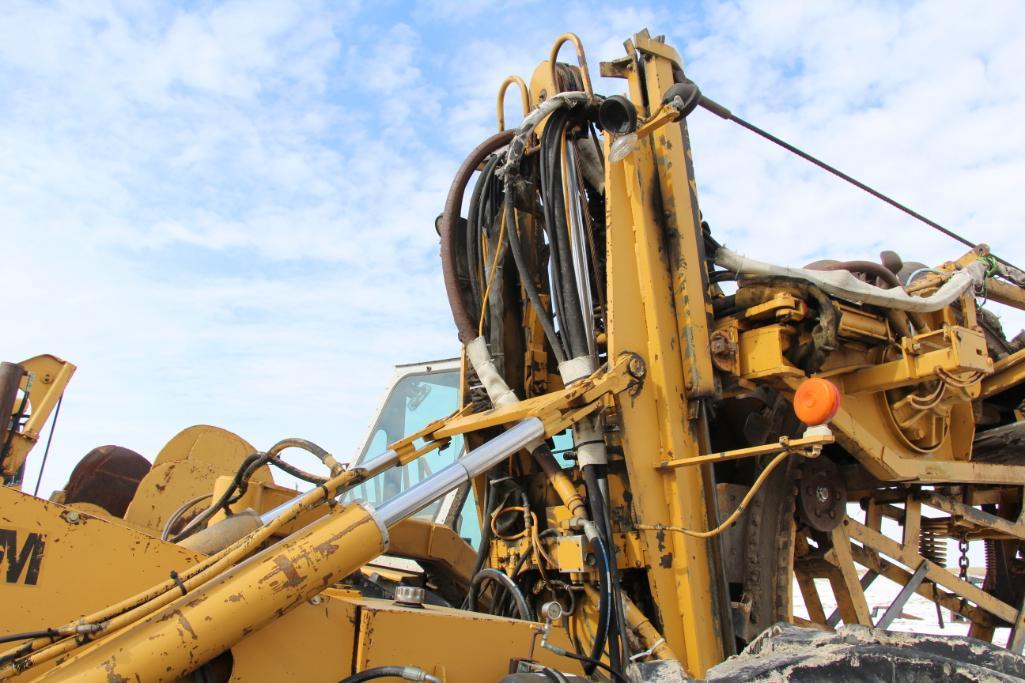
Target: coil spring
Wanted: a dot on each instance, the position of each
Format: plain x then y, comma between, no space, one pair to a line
932,545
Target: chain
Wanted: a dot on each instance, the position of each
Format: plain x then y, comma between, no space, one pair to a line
962,562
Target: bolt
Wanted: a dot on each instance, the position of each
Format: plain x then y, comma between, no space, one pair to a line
316,599
636,367
411,596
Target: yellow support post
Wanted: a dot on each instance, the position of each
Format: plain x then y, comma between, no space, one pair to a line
657,423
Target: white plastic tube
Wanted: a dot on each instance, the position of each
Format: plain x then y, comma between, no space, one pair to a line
843,285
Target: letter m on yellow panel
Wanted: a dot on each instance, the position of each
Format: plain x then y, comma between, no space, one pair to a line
21,554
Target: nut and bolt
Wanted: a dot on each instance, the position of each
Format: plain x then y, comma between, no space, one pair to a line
410,596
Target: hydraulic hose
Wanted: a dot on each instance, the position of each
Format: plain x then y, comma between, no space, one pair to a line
475,223
485,533
502,579
613,629
844,285
463,319
604,606
513,235
867,267
406,673
555,217
238,483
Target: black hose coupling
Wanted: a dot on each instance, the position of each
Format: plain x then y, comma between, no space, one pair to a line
685,96
617,115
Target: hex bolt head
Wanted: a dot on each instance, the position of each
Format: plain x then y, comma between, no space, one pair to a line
410,596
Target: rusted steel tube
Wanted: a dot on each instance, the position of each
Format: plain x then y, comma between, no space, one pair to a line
465,323
201,624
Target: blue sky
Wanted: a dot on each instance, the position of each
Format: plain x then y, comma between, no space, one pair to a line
223,212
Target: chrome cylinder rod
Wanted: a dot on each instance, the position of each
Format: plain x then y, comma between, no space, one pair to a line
476,462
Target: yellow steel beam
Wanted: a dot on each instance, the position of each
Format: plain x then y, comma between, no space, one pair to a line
926,589
962,350
558,410
656,422
683,236
850,596
935,573
49,377
972,515
1008,372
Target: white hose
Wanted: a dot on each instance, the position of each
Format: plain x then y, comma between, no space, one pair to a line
843,285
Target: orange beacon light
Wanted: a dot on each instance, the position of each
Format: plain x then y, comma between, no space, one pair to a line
816,401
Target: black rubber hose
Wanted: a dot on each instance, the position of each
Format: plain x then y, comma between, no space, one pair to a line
546,168
604,568
604,608
475,224
30,635
594,477
574,305
296,472
464,320
238,483
866,267
553,675
376,672
558,305
485,534
616,675
512,233
572,322
503,580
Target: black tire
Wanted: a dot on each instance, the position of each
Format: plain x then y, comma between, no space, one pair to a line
770,553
